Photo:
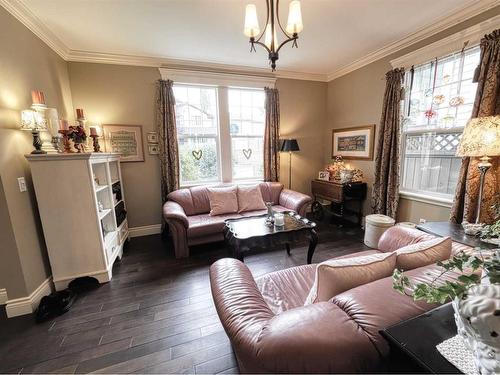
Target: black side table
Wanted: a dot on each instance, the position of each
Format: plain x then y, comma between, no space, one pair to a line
413,342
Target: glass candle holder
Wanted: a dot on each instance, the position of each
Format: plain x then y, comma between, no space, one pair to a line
279,220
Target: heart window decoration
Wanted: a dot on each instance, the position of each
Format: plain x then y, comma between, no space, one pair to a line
197,154
247,153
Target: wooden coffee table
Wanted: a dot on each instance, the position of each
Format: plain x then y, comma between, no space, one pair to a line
249,232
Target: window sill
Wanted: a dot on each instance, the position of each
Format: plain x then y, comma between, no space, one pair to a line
419,197
220,183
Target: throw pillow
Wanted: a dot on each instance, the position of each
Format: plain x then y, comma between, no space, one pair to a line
250,198
338,275
423,253
223,200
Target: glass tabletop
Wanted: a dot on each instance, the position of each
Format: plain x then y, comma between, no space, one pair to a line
255,226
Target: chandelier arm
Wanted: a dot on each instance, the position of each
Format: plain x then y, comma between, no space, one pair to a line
279,22
273,42
265,26
287,41
263,45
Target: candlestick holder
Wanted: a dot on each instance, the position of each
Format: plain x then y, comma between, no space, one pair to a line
95,142
66,143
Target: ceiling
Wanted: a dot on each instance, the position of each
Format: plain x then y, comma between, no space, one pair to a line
336,32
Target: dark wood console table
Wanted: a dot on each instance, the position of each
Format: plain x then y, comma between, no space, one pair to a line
455,232
339,195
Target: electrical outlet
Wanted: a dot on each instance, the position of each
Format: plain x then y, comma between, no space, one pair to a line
422,221
22,184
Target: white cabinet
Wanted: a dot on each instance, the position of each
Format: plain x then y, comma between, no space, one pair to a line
82,207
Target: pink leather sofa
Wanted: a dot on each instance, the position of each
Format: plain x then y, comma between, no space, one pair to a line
187,213
271,330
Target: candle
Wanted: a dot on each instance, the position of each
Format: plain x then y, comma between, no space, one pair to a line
37,97
93,131
279,220
79,114
63,125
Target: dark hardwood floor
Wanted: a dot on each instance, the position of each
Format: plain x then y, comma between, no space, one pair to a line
155,316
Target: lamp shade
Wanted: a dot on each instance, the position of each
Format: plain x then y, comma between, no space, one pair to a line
32,120
481,137
294,24
290,145
251,28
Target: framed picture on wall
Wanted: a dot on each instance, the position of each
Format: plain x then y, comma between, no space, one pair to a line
354,143
125,140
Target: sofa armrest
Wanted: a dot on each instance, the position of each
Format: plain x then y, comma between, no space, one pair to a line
316,338
174,211
295,201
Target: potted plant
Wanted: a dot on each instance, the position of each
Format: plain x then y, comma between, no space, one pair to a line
491,233
78,136
475,296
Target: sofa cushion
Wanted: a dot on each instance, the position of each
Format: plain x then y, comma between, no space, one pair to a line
204,224
223,200
423,253
286,289
338,275
250,198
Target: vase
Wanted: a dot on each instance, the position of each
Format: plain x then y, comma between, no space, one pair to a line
478,323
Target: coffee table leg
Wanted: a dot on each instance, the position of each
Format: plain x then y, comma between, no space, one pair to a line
287,246
313,241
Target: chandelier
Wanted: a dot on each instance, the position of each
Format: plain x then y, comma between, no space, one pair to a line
271,44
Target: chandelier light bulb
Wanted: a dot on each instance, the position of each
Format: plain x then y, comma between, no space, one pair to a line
294,25
251,29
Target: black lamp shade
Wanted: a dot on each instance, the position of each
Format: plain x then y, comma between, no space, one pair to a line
290,145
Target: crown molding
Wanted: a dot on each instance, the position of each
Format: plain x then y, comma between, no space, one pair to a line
451,44
164,62
24,15
471,9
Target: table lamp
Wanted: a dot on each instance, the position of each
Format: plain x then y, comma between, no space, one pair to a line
481,138
290,145
33,121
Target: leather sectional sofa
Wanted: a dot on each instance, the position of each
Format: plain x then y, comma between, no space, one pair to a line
271,330
187,213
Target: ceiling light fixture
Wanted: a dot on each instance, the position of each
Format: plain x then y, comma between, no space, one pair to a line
293,28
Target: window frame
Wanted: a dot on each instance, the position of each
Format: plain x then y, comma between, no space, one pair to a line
223,138
436,198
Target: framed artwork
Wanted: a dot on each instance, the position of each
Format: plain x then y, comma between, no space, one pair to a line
153,149
152,137
324,175
354,143
125,140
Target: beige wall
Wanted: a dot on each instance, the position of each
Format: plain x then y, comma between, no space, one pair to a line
302,116
356,99
26,63
118,94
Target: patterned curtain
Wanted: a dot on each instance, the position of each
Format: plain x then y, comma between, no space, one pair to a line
385,194
169,155
487,103
271,136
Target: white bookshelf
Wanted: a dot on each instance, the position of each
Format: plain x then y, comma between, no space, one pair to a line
82,240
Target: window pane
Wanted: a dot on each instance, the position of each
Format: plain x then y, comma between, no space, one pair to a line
197,133
198,160
247,122
438,104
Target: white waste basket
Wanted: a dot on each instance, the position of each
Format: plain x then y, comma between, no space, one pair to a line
375,226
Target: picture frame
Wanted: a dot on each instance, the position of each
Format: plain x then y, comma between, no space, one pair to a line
152,137
354,143
125,140
324,176
153,149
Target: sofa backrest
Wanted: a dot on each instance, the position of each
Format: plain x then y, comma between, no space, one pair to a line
194,200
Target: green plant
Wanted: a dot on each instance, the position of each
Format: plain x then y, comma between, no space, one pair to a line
492,230
439,290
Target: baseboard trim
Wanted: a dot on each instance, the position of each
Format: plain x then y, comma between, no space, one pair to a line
3,297
27,305
145,230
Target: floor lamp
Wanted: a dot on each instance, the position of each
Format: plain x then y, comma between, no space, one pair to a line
290,145
481,138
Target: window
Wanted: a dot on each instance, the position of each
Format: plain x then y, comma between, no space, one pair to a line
438,104
220,132
247,122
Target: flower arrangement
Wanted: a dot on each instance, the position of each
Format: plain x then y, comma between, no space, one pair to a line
78,136
338,166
